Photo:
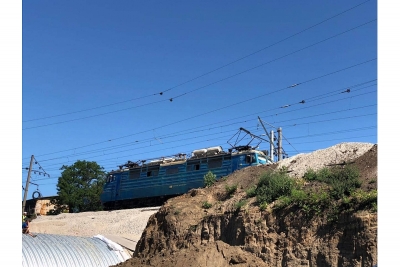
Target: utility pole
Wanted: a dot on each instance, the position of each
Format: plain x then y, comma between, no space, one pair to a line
271,140
271,146
279,144
27,183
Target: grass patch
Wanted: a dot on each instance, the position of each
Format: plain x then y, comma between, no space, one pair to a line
230,189
240,204
251,192
263,206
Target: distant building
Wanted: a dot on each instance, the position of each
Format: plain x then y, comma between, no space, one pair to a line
39,206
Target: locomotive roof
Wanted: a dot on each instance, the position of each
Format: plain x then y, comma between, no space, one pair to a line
179,160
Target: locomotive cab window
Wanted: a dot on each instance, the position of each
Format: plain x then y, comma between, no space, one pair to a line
193,165
250,158
153,171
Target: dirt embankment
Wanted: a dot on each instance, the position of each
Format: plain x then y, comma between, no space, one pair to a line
183,233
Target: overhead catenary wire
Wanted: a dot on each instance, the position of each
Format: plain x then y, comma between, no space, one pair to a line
348,90
230,125
213,70
308,101
41,169
109,140
220,137
166,148
269,46
191,130
263,64
103,149
108,166
348,117
322,114
191,91
296,137
213,134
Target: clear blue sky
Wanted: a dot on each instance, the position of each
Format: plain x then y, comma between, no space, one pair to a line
93,71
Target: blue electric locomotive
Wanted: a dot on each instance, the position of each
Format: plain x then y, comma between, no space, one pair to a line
137,184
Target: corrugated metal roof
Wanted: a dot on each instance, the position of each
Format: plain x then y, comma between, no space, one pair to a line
46,250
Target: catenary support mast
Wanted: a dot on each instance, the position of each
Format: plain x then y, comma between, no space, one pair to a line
27,183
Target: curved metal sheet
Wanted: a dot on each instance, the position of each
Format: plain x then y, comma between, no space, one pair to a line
46,250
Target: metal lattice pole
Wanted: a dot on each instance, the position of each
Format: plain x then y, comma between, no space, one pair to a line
27,184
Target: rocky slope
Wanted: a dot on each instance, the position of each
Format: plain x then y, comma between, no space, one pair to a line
183,233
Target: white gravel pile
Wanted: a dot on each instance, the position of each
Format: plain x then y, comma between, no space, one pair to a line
127,223
318,159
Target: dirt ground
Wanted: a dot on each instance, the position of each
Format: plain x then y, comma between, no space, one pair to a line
128,223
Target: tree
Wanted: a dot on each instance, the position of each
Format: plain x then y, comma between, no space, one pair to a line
80,186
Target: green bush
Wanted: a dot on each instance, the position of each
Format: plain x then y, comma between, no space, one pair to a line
209,179
313,203
343,181
206,205
310,175
273,185
299,196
